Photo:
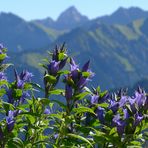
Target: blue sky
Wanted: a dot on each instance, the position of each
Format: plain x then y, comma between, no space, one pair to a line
32,9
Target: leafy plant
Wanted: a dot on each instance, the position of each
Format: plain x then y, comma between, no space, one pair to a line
69,114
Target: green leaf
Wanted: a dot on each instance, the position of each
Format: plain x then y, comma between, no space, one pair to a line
3,82
81,138
104,105
82,95
113,131
49,78
60,103
31,118
2,92
64,72
86,74
44,101
2,56
37,86
4,66
58,116
8,106
83,110
56,92
61,56
109,115
15,143
17,93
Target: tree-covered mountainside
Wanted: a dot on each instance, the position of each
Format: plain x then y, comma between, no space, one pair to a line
118,52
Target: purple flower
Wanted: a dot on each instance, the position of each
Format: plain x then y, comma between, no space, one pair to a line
123,101
10,121
101,114
47,111
25,76
140,99
126,114
24,96
53,68
120,124
138,119
114,106
10,96
68,92
73,65
94,99
1,48
86,66
132,103
2,76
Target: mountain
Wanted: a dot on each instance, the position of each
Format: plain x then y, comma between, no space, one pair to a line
69,19
124,16
17,34
118,53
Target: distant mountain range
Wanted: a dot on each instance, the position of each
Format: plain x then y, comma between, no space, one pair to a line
117,44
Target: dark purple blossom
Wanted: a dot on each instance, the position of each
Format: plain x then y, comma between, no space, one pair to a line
47,111
53,68
101,114
9,93
77,76
126,114
23,97
114,106
138,119
94,99
123,101
10,121
1,48
119,123
2,76
140,98
21,79
68,92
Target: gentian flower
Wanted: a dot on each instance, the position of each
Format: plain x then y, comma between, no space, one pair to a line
140,98
23,97
123,101
10,96
77,76
101,114
2,76
1,48
47,111
53,68
114,106
10,121
68,92
120,124
138,119
94,99
25,76
57,62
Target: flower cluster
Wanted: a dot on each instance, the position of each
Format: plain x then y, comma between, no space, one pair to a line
127,112
82,117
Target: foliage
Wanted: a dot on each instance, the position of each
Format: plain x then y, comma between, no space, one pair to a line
70,114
